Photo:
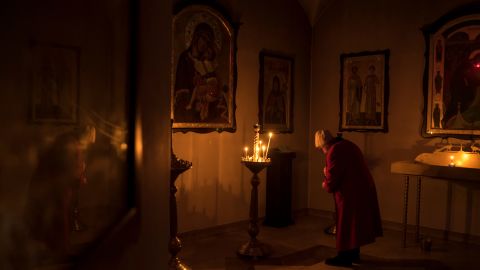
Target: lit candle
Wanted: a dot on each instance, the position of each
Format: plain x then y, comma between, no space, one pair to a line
246,152
268,144
260,147
452,163
263,150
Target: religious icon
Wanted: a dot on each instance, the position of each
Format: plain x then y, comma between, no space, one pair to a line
355,86
364,91
276,92
452,86
54,84
202,68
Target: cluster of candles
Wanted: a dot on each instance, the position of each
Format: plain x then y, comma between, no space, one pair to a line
462,159
452,161
260,150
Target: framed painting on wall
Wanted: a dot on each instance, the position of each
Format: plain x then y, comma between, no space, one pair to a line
364,90
276,92
452,75
203,71
54,93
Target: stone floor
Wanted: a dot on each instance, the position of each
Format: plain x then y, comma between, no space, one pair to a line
304,245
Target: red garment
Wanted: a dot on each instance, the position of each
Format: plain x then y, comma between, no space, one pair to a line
53,191
349,179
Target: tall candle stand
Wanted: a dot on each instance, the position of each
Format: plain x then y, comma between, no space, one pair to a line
178,166
254,248
255,163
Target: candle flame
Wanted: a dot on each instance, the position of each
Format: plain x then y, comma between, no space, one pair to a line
259,150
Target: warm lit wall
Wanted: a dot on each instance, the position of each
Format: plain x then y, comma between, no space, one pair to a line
355,26
217,189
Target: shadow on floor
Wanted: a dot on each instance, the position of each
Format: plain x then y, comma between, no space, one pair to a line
375,263
317,254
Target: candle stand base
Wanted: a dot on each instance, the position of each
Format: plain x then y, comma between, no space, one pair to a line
254,249
176,264
178,166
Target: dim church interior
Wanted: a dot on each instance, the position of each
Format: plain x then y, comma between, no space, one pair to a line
305,244
300,245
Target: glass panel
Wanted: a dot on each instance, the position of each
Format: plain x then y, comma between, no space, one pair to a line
63,151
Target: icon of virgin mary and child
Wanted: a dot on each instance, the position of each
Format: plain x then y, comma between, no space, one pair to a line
199,94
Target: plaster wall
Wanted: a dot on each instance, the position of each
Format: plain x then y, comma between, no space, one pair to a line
356,26
216,190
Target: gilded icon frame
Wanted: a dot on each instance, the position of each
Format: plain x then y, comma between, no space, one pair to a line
203,76
451,82
364,91
276,91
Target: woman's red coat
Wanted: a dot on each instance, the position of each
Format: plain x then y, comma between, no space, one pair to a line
349,179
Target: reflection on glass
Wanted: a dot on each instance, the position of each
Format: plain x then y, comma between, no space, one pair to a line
63,176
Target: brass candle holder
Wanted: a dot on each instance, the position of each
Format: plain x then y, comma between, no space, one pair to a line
255,163
178,166
254,248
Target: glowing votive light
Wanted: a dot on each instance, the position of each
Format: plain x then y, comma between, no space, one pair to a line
452,163
259,149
